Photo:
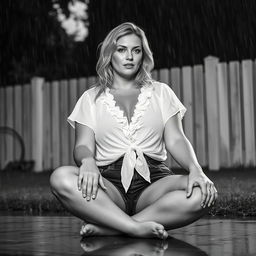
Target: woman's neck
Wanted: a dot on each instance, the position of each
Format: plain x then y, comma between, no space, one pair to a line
120,83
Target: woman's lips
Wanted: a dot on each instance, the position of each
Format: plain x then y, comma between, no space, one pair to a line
129,65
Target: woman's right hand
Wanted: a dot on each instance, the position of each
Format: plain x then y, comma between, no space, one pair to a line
89,179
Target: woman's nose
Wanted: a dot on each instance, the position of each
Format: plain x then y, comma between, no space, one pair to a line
129,55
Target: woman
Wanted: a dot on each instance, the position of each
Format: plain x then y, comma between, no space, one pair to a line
123,127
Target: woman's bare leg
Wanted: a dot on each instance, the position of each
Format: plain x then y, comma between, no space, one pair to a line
102,211
165,202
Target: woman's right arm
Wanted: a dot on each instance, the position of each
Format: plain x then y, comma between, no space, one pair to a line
84,151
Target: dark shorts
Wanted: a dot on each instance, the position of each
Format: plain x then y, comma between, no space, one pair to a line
112,173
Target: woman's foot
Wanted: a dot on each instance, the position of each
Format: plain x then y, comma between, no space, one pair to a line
150,229
143,229
88,229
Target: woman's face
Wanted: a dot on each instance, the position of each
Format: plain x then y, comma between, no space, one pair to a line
127,57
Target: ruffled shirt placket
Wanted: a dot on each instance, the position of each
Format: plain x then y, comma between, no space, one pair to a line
133,158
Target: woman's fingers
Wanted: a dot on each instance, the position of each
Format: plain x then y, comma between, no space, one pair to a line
209,194
89,188
214,196
79,181
208,190
92,186
95,187
84,186
89,184
189,189
204,194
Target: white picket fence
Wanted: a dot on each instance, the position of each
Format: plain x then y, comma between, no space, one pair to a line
220,121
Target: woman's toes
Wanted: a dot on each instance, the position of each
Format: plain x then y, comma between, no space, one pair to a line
85,230
82,231
162,233
82,228
165,235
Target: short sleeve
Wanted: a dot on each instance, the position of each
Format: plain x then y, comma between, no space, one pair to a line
83,112
170,103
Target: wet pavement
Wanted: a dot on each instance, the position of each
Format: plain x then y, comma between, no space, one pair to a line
59,235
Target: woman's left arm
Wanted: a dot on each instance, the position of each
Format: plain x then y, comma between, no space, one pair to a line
182,151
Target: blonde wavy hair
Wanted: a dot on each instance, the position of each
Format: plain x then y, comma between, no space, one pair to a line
108,46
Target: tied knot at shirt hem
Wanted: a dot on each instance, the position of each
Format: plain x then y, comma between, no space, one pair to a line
133,159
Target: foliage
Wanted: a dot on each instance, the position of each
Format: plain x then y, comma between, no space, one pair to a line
30,193
35,45
76,24
180,33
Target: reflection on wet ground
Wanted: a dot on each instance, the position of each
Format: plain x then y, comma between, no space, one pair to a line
58,235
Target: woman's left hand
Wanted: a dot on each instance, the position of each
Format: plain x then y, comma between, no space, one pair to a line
197,178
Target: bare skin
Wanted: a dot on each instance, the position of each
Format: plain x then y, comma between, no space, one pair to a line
151,210
169,189
102,210
169,203
87,195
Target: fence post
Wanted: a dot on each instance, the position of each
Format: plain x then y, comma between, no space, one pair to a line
236,136
199,115
55,123
64,132
47,150
9,106
18,110
248,113
164,78
37,122
176,82
223,115
188,102
27,120
73,90
211,84
2,123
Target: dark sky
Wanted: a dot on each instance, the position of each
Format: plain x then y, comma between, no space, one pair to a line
180,32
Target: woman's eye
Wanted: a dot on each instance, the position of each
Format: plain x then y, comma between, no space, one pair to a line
137,51
121,50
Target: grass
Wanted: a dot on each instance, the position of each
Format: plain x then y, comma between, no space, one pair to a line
30,193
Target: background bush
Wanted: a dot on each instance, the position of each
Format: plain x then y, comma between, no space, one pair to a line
180,32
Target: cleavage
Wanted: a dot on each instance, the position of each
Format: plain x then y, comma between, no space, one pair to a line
127,103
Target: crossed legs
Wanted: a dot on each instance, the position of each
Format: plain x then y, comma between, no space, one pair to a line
163,205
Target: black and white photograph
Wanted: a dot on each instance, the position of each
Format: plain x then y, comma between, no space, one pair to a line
128,128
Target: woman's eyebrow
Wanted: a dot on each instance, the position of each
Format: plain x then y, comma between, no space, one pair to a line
120,45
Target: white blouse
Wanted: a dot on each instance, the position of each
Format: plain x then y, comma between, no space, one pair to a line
116,137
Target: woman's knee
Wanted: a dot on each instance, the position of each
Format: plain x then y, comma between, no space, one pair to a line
195,200
61,181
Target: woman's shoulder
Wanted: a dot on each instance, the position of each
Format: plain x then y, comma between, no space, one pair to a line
90,93
160,87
